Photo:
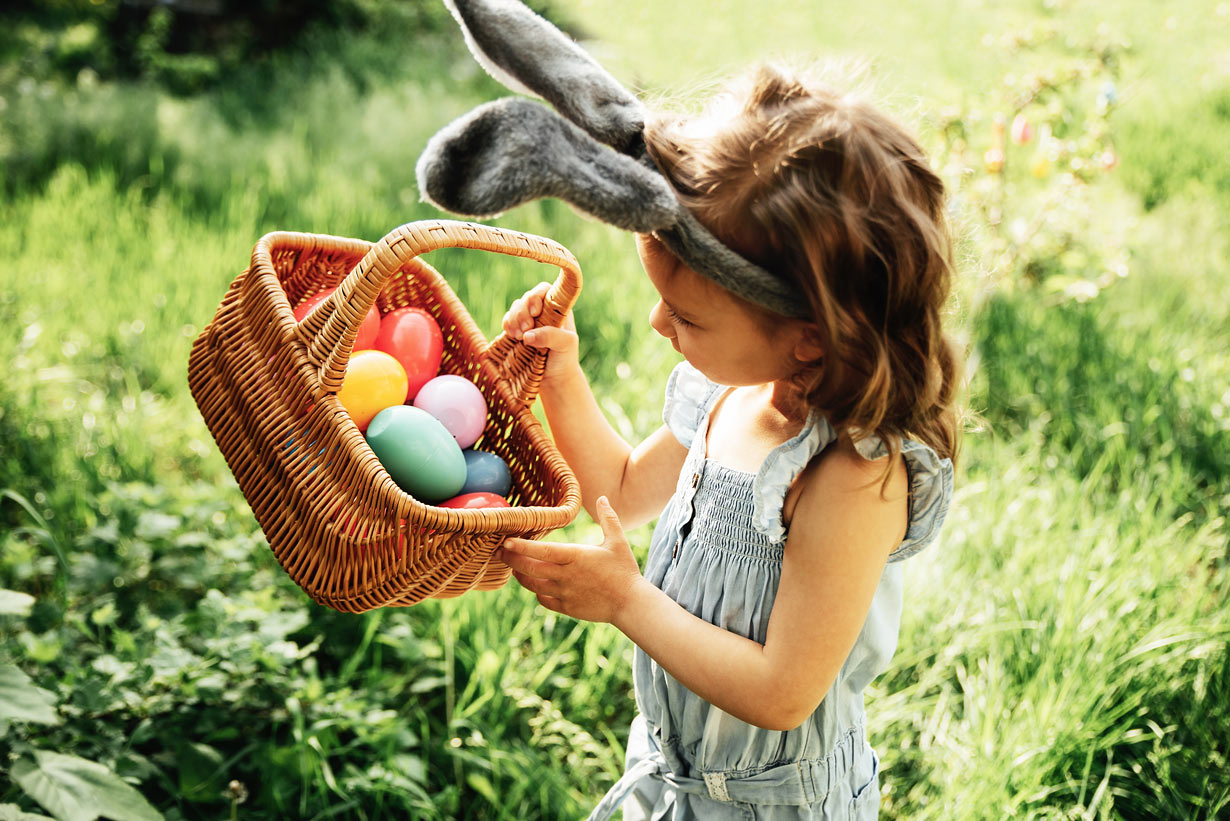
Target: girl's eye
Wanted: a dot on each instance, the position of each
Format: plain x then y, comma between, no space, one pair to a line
677,319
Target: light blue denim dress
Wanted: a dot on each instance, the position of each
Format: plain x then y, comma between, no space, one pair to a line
717,551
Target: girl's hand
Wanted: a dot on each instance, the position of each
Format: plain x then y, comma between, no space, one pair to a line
561,343
590,582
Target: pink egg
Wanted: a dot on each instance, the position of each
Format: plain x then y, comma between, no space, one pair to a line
458,404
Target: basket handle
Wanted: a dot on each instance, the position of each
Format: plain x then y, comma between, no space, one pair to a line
329,331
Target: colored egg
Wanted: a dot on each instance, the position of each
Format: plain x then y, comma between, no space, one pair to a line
474,501
368,328
413,338
418,452
1022,131
458,403
374,381
994,160
486,472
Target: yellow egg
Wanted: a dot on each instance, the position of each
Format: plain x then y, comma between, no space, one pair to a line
994,159
374,381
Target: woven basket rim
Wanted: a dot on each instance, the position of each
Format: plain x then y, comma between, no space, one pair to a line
480,520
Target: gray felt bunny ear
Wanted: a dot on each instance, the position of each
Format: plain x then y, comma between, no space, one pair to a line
511,151
508,152
529,55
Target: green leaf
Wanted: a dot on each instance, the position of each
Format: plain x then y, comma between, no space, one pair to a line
21,700
422,685
41,649
481,785
13,603
154,525
12,812
46,790
200,771
74,789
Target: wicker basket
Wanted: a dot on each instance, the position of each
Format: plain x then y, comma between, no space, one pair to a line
266,385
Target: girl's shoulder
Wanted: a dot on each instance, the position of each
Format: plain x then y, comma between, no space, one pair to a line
840,479
930,479
919,486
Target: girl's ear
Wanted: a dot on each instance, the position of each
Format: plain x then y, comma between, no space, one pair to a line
807,348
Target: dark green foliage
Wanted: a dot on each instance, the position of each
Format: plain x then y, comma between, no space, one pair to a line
188,45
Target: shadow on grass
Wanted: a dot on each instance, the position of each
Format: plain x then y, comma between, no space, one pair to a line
1122,407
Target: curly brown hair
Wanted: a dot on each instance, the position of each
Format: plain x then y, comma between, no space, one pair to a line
828,190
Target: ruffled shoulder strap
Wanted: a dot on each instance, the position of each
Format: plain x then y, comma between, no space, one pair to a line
689,395
930,483
781,467
930,491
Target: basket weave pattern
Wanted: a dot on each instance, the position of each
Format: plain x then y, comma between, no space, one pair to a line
334,518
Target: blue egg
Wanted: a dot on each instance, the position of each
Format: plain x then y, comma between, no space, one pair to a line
486,472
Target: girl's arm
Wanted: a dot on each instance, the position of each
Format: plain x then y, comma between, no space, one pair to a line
637,481
841,533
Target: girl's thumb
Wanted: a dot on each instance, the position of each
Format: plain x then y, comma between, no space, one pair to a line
608,519
549,337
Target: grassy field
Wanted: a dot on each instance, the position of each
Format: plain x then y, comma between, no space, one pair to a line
1064,649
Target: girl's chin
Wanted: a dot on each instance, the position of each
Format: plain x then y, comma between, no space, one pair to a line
705,372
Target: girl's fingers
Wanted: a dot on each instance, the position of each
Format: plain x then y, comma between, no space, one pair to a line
536,297
512,319
534,300
541,587
551,338
521,314
526,566
551,603
608,519
543,551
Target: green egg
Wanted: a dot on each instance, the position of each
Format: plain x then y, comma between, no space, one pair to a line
418,452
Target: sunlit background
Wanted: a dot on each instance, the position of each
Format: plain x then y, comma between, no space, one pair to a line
1064,648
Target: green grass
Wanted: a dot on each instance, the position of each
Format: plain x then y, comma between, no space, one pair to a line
1063,652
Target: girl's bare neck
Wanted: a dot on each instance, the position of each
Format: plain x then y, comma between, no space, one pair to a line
749,422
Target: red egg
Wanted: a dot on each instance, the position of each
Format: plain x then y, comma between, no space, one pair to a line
368,328
474,501
413,338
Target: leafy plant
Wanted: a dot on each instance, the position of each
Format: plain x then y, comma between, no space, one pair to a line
67,786
1025,162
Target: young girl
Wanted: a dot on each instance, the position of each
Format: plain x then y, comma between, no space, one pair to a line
799,462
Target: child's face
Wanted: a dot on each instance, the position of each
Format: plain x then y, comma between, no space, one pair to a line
719,334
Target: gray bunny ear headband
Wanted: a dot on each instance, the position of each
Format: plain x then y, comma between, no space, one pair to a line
510,151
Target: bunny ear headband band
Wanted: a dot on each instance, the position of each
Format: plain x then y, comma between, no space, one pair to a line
510,151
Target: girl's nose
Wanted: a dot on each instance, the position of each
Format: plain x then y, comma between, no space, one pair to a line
660,322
